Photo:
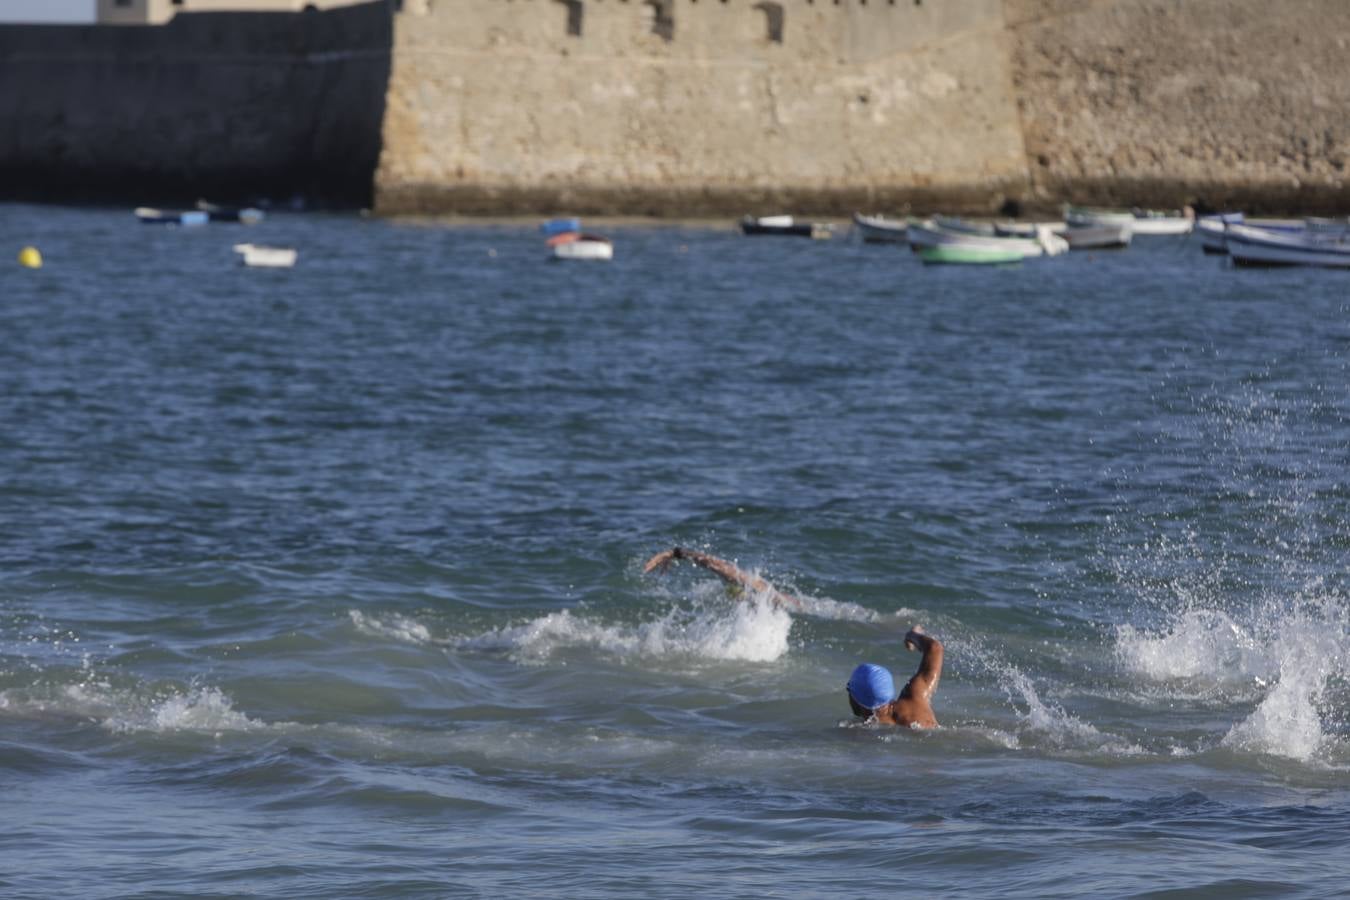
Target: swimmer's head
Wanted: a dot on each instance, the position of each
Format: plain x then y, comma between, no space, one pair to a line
870,687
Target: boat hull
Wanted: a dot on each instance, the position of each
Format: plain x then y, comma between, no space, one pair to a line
1252,247
1115,236
968,255
878,230
783,226
584,250
927,234
257,257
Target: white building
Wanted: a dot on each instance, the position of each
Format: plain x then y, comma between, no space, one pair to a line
156,12
48,12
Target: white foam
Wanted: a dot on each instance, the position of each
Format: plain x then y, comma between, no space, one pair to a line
125,709
1199,644
752,630
396,626
199,709
1309,654
1282,653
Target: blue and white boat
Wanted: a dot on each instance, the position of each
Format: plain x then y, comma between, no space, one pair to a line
151,216
1264,247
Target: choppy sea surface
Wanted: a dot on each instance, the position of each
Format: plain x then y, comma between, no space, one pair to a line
326,582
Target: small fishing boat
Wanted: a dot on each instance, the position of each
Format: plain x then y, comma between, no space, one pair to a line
929,233
1107,236
881,230
1213,236
784,226
969,255
560,226
151,216
1250,246
244,215
1142,221
578,245
256,256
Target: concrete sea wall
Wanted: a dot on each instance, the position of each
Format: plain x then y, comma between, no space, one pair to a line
228,106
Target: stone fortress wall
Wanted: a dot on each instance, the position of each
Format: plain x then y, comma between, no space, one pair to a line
698,106
691,107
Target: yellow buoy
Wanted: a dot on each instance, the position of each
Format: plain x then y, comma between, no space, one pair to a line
30,257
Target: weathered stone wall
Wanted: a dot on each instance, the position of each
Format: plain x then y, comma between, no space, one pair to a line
1226,103
228,106
688,107
692,107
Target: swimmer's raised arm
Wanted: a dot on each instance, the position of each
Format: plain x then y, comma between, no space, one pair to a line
728,572
925,680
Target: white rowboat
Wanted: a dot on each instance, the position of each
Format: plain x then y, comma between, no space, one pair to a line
929,234
574,245
265,257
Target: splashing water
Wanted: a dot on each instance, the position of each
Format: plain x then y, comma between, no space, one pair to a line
398,627
1239,588
1199,644
753,630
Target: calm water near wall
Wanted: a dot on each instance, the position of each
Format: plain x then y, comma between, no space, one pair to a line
327,582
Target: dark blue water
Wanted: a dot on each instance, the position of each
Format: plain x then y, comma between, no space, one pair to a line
327,581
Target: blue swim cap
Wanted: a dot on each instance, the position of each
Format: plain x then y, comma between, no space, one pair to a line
871,686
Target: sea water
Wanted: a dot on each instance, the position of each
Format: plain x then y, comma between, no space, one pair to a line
326,582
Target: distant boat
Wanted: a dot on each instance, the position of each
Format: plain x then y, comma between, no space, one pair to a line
1107,236
970,254
578,245
244,215
1213,239
560,226
1264,247
929,233
784,226
255,256
151,216
881,230
1143,221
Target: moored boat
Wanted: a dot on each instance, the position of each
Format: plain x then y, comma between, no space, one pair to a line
560,226
784,226
1250,246
929,233
1106,236
881,230
244,215
969,255
151,216
1142,221
256,256
580,246
1212,228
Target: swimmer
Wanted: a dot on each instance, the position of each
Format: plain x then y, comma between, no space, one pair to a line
871,689
737,580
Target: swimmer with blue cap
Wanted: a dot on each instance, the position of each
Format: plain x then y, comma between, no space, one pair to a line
871,689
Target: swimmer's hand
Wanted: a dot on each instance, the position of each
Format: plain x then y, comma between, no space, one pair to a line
915,639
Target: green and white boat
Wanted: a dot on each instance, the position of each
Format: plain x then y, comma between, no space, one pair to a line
970,254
